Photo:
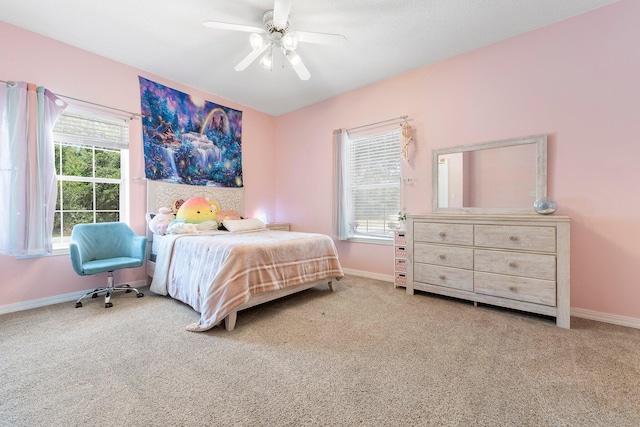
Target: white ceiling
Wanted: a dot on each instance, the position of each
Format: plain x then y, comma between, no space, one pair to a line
384,38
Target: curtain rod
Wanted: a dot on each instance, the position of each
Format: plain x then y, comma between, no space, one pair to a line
132,114
377,123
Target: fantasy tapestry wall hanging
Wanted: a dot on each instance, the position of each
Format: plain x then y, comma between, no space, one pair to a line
189,140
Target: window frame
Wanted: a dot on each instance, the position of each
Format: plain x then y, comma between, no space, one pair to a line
61,244
392,138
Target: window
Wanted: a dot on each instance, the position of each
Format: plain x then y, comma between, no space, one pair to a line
371,185
91,156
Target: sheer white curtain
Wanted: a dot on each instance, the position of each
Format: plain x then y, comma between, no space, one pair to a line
27,171
341,210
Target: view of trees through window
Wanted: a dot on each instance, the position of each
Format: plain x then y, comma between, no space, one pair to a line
88,186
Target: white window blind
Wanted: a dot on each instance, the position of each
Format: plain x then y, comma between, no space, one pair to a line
93,131
374,184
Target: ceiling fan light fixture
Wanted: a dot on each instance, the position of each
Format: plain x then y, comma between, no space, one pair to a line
289,41
294,58
267,60
257,40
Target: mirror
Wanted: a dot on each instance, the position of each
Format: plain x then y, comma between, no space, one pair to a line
505,176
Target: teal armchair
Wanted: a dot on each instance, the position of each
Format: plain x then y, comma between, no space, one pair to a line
106,247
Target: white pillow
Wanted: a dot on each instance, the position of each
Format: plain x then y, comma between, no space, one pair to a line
249,224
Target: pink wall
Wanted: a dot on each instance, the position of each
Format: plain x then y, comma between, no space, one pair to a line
576,81
70,71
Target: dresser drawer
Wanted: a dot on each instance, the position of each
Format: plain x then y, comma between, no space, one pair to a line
444,276
454,234
516,288
401,279
400,238
443,255
536,266
539,239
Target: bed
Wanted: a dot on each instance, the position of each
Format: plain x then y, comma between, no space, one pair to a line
219,273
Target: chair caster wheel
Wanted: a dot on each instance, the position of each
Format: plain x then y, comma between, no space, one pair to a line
128,290
94,296
108,304
139,295
78,304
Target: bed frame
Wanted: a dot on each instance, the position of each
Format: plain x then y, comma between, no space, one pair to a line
162,194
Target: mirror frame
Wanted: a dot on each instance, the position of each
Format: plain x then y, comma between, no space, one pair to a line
541,173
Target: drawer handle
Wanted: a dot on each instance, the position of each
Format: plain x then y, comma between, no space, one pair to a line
442,277
442,234
513,238
442,256
512,264
513,288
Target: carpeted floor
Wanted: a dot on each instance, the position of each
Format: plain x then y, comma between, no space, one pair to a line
367,354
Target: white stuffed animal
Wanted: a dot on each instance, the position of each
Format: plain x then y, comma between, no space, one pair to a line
159,223
179,226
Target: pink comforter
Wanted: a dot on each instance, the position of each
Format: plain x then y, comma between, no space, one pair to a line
215,274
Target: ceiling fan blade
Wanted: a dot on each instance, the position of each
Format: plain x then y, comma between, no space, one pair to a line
250,58
302,71
233,27
281,9
297,65
320,38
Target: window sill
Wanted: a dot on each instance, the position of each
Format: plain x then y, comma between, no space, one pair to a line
56,252
60,251
371,240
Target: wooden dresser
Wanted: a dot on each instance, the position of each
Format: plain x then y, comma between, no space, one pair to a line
515,261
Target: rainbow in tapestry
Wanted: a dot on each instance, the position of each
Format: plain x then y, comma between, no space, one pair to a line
189,140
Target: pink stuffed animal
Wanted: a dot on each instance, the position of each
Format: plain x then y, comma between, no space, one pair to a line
158,224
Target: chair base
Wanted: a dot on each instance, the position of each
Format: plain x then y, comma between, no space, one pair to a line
108,290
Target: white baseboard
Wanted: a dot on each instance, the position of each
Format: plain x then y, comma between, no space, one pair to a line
57,299
630,322
368,275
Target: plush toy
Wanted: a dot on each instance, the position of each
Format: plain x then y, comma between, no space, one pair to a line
215,206
196,210
179,226
176,205
222,215
159,223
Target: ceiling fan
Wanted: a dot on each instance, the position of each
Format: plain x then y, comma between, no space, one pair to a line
276,33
